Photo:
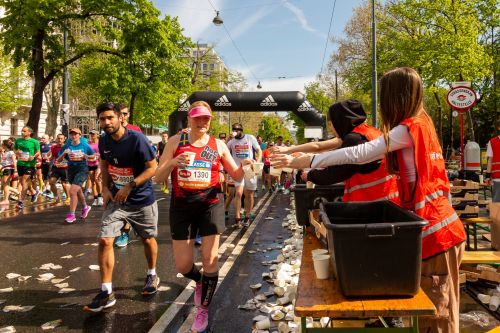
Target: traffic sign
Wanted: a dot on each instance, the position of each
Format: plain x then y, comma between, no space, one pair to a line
461,98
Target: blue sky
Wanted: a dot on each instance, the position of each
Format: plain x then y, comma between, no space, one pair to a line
277,38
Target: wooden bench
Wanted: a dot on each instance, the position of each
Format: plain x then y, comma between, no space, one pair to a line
323,298
473,221
481,257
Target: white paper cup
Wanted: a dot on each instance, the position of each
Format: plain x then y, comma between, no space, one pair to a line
322,266
309,185
316,252
263,324
275,172
257,168
481,179
288,170
494,302
248,171
191,157
485,299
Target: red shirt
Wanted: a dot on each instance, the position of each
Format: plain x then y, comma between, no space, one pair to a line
54,151
133,127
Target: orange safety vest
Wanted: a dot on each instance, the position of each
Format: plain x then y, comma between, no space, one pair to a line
430,197
495,161
373,186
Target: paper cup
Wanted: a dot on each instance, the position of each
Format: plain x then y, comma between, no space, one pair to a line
317,252
275,172
481,179
288,170
248,171
309,185
263,324
257,168
191,157
494,302
322,266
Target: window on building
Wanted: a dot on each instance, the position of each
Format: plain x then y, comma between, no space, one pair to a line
212,66
14,126
204,67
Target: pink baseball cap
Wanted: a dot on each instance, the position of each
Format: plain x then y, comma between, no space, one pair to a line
199,111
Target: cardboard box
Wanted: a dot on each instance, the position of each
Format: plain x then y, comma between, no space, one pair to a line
468,212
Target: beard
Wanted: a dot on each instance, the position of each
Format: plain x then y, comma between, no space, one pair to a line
111,130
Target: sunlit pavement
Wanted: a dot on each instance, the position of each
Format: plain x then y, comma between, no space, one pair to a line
38,235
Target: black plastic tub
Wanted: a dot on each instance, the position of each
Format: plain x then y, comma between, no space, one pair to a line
376,247
305,198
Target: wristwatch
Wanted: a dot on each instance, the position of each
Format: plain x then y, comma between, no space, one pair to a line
133,184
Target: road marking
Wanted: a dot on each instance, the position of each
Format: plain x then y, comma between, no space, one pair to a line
172,311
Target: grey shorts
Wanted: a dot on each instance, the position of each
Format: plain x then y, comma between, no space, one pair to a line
144,220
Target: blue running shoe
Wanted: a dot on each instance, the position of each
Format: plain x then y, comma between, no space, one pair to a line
197,240
122,240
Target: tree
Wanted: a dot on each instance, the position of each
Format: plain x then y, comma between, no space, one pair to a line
272,126
12,81
32,34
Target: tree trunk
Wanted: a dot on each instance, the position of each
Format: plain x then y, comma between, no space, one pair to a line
440,116
52,109
131,107
40,82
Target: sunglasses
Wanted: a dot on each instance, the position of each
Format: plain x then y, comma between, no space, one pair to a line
237,129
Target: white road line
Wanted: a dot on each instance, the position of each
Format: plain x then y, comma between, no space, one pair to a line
169,315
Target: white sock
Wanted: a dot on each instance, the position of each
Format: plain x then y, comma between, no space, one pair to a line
152,271
107,287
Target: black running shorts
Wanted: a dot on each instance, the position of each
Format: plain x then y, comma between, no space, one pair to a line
207,221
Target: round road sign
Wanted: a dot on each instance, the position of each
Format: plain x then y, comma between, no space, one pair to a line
461,98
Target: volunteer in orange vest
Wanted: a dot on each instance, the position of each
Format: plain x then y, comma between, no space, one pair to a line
363,182
412,150
493,168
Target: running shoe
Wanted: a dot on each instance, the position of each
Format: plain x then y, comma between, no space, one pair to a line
236,223
197,294
197,240
87,192
151,285
246,222
95,202
226,215
70,218
201,321
252,216
122,240
34,197
20,205
100,201
102,301
85,211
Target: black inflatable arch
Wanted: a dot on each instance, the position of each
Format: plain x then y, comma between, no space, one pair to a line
271,101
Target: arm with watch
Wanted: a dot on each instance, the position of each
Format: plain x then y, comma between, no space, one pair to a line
122,194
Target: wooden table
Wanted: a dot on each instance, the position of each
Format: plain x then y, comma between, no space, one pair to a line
481,257
473,221
323,298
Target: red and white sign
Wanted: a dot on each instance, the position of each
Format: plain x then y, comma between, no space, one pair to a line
461,98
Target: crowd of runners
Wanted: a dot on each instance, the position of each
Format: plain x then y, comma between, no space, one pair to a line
115,166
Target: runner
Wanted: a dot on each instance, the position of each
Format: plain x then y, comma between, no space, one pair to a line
196,203
59,170
27,151
243,146
267,179
45,151
77,154
9,169
94,182
127,166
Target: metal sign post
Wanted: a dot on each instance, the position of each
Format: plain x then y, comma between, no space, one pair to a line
461,98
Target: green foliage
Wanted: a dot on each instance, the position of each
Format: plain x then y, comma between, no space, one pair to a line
272,126
12,80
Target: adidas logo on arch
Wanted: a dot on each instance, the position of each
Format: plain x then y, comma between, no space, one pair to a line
268,101
222,101
185,106
305,106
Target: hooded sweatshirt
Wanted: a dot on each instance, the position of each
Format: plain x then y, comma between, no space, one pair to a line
345,116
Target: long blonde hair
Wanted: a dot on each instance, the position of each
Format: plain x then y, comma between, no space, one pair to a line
401,97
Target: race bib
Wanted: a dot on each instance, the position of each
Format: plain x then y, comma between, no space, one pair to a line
61,165
45,156
242,151
38,163
121,176
196,176
24,156
75,156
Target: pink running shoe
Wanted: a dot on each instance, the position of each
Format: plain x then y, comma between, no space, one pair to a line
70,218
85,211
201,321
197,294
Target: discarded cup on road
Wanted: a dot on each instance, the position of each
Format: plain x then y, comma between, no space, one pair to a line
494,303
310,185
322,266
485,299
263,324
481,179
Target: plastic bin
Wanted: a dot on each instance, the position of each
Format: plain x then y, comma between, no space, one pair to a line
305,198
376,247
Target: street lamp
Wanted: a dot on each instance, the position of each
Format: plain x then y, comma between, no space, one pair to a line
374,67
259,86
217,20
